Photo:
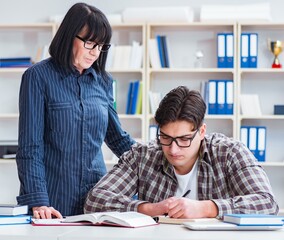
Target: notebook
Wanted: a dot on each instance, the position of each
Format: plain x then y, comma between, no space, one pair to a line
222,226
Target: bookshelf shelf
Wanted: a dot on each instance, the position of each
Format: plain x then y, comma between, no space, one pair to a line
264,117
271,164
13,70
261,70
141,71
7,161
191,70
228,117
8,116
129,116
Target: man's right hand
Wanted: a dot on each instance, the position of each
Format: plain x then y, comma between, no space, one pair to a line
45,212
155,209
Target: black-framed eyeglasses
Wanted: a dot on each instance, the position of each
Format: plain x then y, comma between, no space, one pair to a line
181,141
103,47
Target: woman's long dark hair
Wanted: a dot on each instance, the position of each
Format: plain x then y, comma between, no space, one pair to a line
81,16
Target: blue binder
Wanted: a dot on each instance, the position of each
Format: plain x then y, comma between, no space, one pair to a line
253,140
212,97
253,50
229,50
221,97
229,102
261,143
244,50
254,137
244,135
221,50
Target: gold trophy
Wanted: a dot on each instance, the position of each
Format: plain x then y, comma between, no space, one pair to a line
276,48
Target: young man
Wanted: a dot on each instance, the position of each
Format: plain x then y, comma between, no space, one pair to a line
185,173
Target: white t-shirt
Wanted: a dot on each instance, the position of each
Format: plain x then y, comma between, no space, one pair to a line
188,182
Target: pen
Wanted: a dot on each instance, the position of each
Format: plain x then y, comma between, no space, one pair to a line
184,195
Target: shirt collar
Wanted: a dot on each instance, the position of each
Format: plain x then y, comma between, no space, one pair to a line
64,73
204,151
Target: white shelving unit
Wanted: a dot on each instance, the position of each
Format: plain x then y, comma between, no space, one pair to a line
184,40
125,34
17,40
268,84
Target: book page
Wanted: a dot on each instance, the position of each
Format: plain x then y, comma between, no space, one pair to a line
57,222
91,217
127,219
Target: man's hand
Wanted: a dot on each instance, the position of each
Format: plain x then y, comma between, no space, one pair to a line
155,209
45,212
187,208
180,208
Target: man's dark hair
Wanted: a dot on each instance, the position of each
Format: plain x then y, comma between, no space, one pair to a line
78,17
181,104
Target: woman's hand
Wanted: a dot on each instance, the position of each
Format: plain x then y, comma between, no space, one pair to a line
45,212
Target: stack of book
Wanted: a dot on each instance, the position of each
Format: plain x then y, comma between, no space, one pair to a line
14,214
15,62
238,222
254,219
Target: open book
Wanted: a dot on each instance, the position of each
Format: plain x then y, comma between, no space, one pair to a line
169,220
122,219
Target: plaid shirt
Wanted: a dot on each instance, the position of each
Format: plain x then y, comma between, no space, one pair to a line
228,174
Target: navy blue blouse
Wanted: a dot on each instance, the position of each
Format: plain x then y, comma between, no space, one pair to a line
64,119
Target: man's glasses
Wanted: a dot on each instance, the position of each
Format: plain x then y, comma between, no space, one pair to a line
181,141
103,47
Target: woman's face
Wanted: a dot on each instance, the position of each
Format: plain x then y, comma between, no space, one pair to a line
83,58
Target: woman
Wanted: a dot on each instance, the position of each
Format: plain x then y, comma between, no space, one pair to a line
66,112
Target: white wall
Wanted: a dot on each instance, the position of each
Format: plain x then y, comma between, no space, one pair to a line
29,11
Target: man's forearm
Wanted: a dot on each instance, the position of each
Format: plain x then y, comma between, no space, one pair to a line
210,209
151,209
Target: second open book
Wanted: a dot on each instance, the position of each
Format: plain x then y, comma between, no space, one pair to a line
122,219
169,220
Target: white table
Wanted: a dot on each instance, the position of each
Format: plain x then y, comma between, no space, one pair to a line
29,232
162,231
167,231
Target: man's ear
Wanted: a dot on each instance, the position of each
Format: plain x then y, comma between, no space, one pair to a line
202,131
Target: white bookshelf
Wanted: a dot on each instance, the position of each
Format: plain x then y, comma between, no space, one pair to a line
184,40
268,84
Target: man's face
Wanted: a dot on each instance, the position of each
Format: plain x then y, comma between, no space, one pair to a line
182,158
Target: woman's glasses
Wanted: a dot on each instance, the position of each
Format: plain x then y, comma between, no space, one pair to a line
103,47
